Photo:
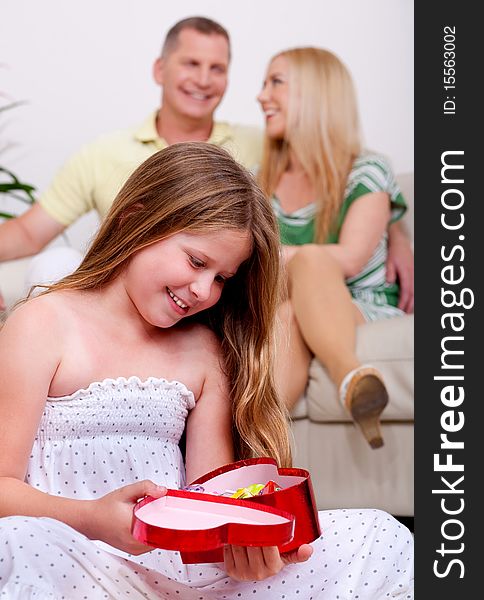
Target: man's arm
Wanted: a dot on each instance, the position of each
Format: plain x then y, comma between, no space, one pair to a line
27,234
69,196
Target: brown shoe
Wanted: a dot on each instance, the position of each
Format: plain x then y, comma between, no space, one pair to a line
364,396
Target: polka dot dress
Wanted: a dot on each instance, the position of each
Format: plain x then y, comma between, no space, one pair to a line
119,431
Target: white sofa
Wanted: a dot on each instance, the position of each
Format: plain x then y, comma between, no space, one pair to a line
345,471
13,273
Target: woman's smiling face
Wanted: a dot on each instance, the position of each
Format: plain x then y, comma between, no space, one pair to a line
274,97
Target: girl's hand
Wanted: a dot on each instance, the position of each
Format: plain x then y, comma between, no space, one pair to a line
256,563
109,518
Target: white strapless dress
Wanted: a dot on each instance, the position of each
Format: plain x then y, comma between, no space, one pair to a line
119,431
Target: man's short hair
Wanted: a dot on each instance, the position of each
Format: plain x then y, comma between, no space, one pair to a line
200,24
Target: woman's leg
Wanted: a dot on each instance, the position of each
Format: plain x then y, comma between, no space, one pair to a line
324,310
292,357
327,319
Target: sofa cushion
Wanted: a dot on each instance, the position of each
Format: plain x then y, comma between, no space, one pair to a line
12,280
346,472
388,346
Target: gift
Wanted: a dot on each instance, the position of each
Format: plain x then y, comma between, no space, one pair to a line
200,520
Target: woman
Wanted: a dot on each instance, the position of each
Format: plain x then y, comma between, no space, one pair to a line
326,190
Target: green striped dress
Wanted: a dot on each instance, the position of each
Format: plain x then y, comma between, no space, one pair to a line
375,298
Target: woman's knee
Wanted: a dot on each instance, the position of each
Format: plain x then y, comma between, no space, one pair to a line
313,258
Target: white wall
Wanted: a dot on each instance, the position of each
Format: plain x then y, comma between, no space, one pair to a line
85,67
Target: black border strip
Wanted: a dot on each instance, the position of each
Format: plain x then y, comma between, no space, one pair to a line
449,395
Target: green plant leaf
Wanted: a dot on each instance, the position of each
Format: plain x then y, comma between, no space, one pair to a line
15,185
11,105
5,188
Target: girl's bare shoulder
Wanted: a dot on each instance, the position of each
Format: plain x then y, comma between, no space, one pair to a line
45,313
34,337
198,345
200,338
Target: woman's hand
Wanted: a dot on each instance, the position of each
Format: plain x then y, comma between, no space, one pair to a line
109,518
247,563
400,266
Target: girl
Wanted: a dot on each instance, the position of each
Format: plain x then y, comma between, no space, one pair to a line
167,323
326,190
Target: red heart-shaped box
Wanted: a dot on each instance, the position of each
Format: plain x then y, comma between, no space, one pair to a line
200,524
192,522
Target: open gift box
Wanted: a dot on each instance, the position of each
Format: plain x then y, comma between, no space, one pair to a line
199,524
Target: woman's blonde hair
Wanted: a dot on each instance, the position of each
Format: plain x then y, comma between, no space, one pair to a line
322,130
197,187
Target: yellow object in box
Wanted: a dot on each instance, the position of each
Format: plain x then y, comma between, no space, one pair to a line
249,491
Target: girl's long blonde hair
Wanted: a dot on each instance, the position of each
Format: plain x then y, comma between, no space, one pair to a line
198,187
322,130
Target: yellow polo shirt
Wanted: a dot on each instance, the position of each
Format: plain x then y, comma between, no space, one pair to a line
92,177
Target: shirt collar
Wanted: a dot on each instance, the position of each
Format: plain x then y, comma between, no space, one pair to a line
221,132
147,132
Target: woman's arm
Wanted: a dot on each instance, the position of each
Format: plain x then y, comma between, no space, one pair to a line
366,221
400,265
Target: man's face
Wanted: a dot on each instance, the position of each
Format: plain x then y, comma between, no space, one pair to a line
194,74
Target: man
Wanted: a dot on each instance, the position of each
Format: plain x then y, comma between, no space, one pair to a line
192,71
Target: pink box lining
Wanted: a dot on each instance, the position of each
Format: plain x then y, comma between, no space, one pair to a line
189,514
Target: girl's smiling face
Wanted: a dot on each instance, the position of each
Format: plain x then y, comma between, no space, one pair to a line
184,273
